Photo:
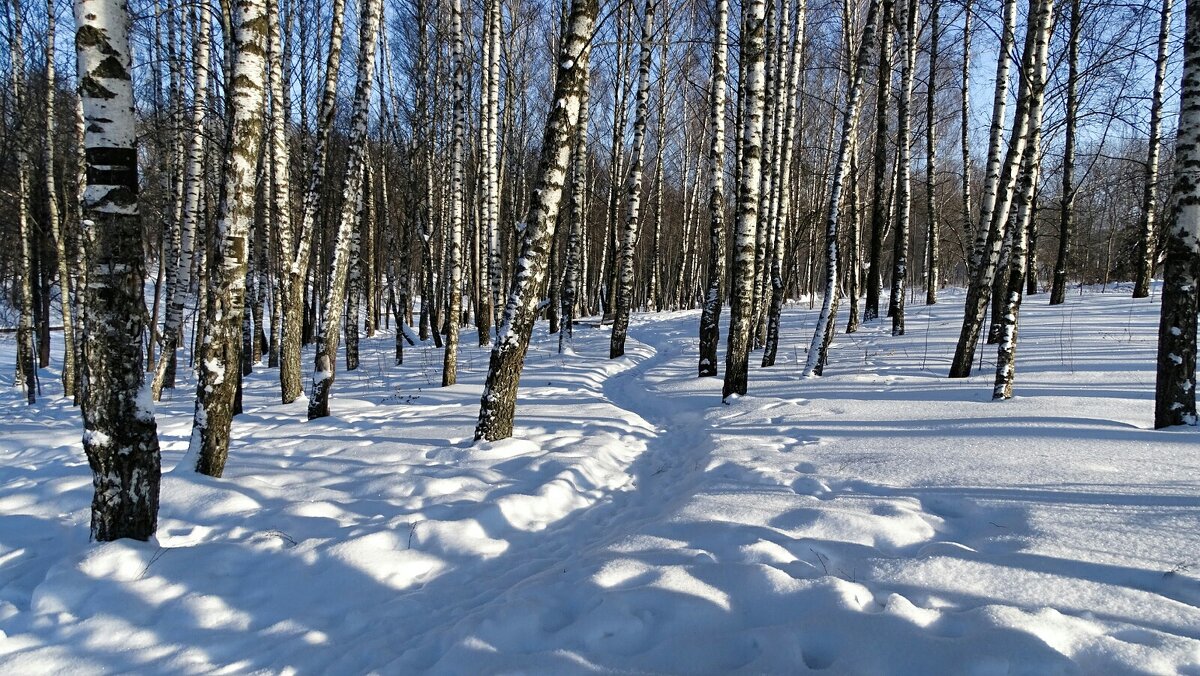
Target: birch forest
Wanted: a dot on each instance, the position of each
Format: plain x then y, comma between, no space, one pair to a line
297,206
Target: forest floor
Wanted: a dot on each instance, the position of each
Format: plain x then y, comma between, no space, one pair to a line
881,519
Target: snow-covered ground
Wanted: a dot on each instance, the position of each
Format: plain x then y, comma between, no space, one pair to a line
879,520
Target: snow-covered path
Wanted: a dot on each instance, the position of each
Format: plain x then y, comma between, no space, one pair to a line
881,519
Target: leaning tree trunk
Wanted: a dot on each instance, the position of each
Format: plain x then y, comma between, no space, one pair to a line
904,181
299,249
221,349
1147,236
998,188
1066,219
741,314
120,437
193,214
1019,253
454,236
1175,388
499,400
335,288
818,350
879,205
710,317
633,191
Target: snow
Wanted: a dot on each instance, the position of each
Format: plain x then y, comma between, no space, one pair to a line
881,519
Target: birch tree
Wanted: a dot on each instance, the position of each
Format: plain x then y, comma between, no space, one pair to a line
1066,218
633,191
1147,230
299,249
964,132
120,437
1175,385
741,310
931,233
823,333
335,287
499,401
997,188
879,203
710,317
577,223
1010,301
454,236
53,220
908,18
193,181
26,376
220,353
781,205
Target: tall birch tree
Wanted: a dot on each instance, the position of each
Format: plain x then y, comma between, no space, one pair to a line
220,352
818,350
120,437
454,255
192,215
879,180
1066,217
1019,253
335,286
499,401
741,310
1175,384
1147,227
908,18
710,317
633,191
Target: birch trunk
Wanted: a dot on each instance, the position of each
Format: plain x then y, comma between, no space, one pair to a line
741,311
499,400
1175,387
281,190
578,224
710,317
781,205
1019,253
818,351
220,353
299,249
335,291
904,168
1147,256
26,376
52,216
965,125
879,207
1066,218
193,214
454,236
120,437
998,188
633,191
354,275
932,243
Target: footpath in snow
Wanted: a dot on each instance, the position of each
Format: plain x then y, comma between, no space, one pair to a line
879,520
